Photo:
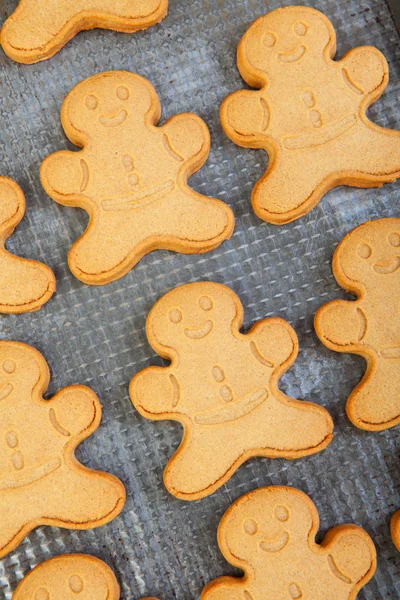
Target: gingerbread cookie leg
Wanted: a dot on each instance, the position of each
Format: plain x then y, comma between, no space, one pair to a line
40,28
372,169
84,500
278,199
374,405
25,285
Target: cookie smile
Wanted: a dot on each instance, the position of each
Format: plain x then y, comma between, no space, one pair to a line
114,121
388,268
276,545
31,475
5,391
292,57
197,333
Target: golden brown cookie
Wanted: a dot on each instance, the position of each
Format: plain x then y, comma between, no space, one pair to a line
69,577
270,534
25,285
222,386
131,177
38,29
41,481
309,113
395,529
367,263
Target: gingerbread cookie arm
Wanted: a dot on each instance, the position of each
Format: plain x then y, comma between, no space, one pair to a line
65,176
341,325
365,72
274,343
351,555
155,393
75,411
187,139
245,118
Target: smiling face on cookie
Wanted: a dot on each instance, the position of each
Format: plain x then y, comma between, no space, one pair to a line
370,254
287,38
192,313
72,577
266,522
106,102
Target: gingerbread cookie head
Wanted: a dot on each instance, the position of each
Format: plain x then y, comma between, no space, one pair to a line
370,254
285,41
183,319
270,534
103,104
69,577
263,524
22,370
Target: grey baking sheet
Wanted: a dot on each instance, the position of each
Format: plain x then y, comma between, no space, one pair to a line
159,545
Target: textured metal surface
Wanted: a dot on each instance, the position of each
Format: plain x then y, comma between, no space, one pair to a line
161,546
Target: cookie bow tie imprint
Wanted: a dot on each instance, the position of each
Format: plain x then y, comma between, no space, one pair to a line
309,113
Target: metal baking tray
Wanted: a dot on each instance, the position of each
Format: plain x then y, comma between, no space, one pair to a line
96,336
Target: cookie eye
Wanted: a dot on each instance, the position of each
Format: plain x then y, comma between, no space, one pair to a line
300,28
250,527
9,366
364,251
91,102
269,40
175,315
42,594
394,240
122,92
205,303
282,513
75,584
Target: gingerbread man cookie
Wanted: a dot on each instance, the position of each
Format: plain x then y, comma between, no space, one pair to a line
395,529
131,177
309,113
38,29
270,535
222,386
367,263
41,481
69,577
25,285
